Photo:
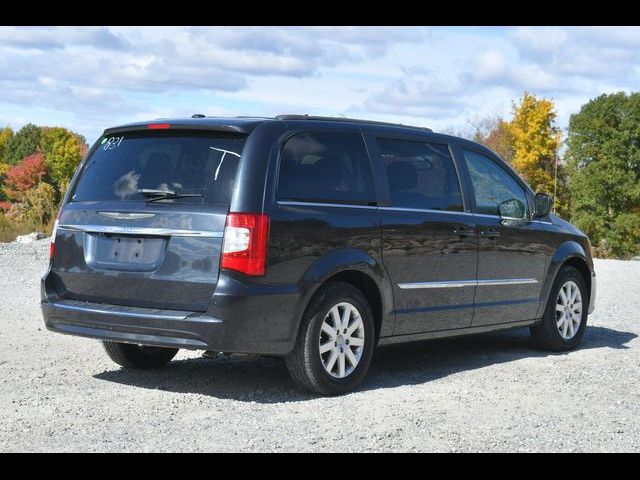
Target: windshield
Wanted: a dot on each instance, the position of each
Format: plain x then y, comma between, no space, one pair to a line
124,167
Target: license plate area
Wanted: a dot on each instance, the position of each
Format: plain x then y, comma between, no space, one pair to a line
124,252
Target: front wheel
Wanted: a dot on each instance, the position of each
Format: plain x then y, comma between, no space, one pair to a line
139,357
335,343
565,318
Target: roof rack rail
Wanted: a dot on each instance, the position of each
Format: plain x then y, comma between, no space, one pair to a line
345,119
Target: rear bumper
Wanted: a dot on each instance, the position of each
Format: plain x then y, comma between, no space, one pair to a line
242,318
163,328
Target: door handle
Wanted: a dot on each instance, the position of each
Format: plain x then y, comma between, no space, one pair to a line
489,233
464,232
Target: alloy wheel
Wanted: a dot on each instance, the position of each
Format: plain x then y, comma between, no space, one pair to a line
341,340
569,310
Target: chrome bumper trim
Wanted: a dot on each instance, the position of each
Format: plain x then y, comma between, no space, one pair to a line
126,230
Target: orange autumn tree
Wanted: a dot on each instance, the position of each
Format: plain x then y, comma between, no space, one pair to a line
24,176
494,133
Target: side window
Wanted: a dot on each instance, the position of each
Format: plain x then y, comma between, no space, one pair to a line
325,167
421,175
496,191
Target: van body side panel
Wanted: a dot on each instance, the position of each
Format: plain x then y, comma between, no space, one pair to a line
309,243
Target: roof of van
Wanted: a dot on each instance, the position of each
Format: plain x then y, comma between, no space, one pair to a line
247,124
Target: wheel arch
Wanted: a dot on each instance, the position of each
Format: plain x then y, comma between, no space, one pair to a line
369,289
580,264
359,269
570,253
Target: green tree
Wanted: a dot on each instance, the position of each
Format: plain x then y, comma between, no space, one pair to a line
536,143
24,143
603,154
63,150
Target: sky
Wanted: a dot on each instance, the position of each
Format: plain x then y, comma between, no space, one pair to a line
445,78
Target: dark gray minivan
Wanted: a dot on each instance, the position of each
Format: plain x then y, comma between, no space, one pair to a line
310,238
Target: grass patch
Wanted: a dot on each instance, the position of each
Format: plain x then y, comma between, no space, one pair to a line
10,229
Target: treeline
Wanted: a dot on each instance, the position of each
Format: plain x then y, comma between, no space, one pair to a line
593,170
36,166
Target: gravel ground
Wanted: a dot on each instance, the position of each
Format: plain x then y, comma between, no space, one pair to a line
484,393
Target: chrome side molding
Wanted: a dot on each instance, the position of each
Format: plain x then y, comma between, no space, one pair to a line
451,284
296,203
467,283
507,281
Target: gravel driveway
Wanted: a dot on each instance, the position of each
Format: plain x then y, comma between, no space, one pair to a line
485,393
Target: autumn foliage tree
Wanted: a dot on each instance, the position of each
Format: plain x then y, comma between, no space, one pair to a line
36,166
6,134
24,176
40,206
63,150
536,141
530,141
494,133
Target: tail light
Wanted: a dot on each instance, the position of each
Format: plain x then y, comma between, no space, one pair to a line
245,243
52,245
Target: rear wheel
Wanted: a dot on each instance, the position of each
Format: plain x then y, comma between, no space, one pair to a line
565,318
133,356
335,343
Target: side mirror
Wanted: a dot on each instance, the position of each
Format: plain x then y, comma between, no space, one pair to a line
543,205
512,209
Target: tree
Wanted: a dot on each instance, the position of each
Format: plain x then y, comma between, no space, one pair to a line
24,176
63,150
41,206
603,153
494,133
536,141
6,134
456,132
23,143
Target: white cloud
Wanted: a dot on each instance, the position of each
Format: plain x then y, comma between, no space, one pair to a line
539,40
93,77
490,65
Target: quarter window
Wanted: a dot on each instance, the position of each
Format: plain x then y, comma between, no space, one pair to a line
421,175
496,191
326,167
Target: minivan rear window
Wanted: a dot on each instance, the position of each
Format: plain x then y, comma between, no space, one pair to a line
328,167
196,163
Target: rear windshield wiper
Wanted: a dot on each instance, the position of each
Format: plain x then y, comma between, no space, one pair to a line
153,195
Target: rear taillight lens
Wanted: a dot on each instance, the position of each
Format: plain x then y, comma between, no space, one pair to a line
245,243
52,245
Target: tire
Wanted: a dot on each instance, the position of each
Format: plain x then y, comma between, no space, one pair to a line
548,335
138,357
306,364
